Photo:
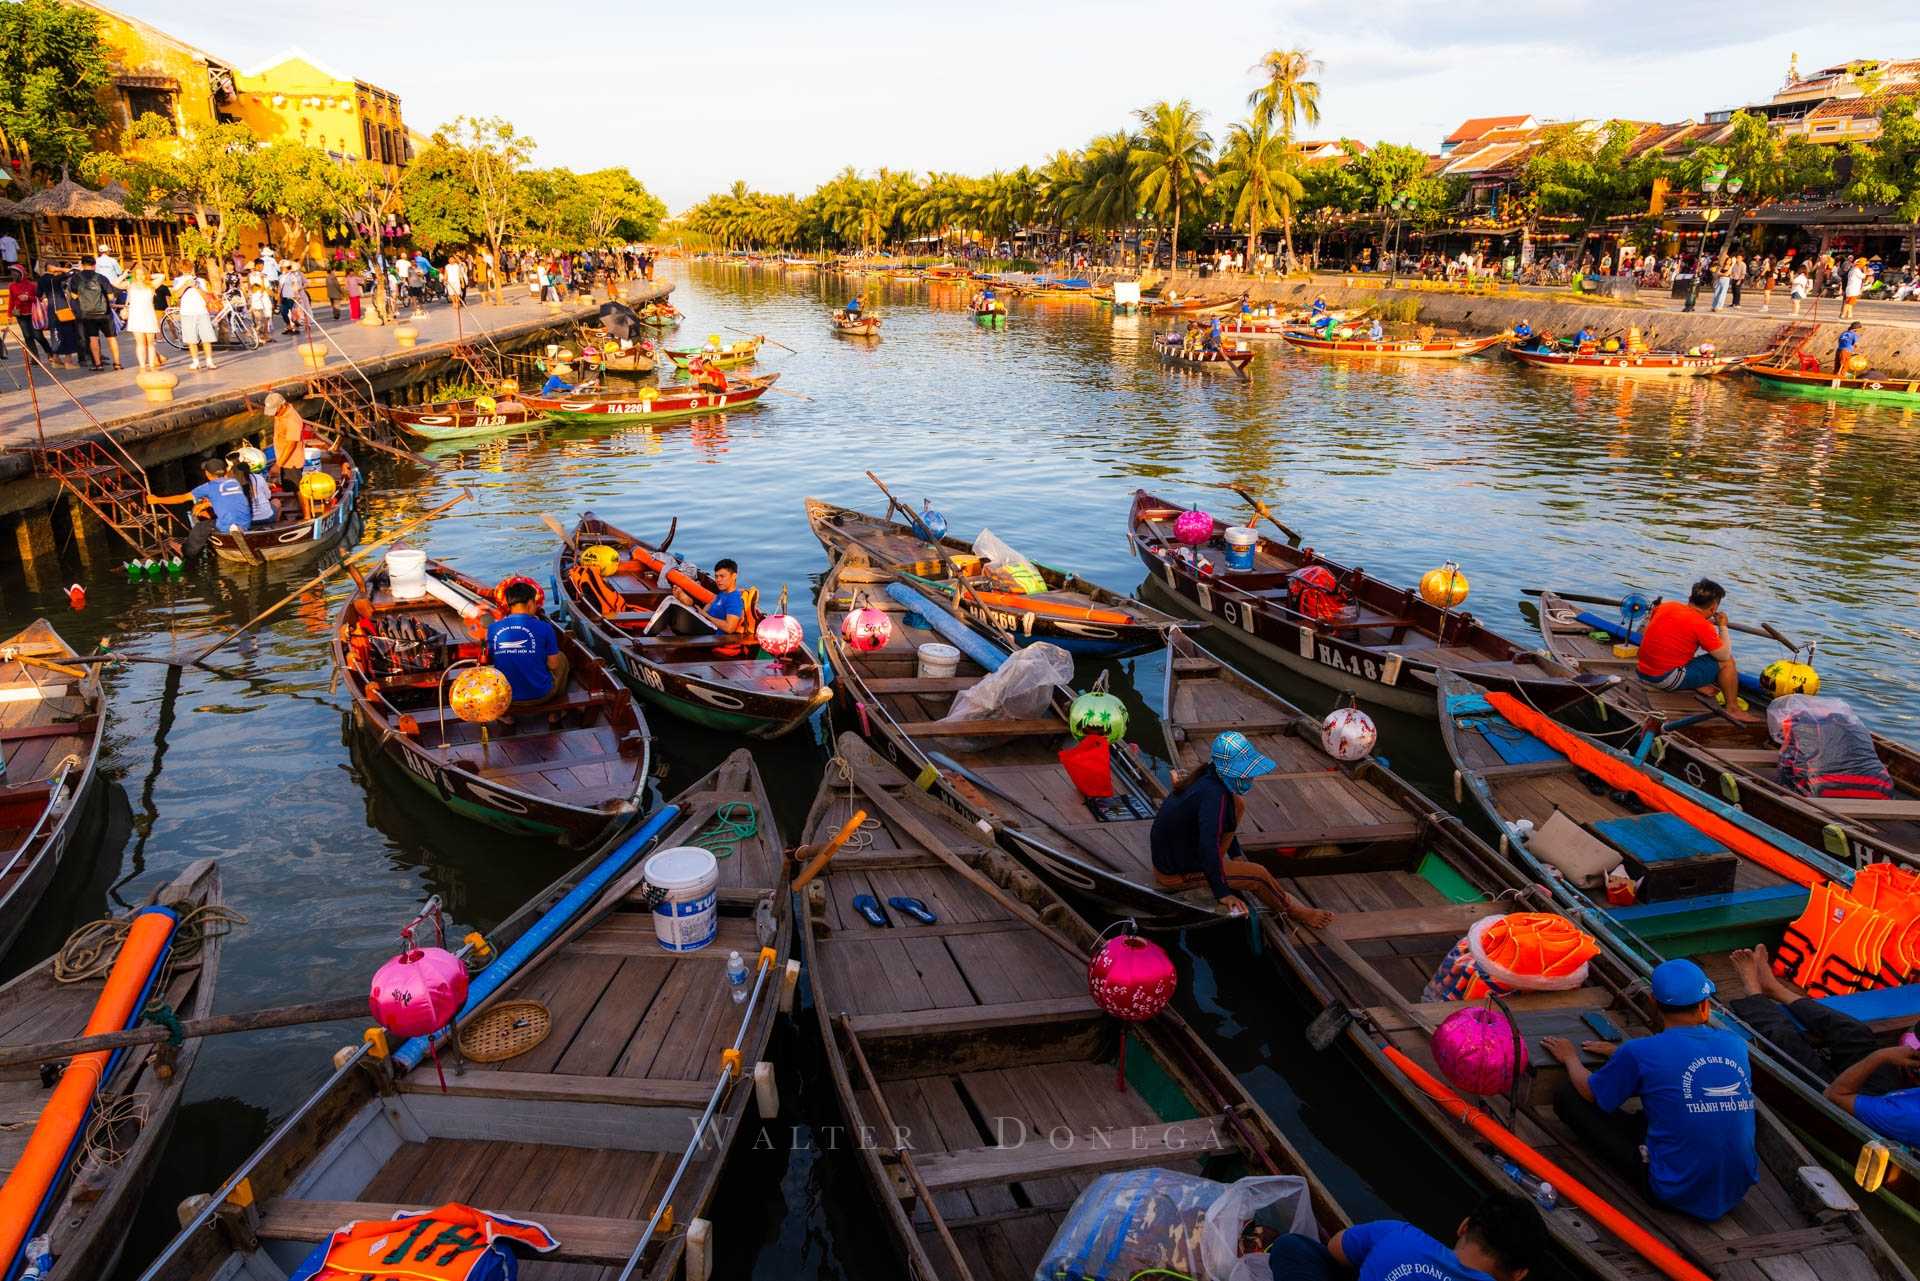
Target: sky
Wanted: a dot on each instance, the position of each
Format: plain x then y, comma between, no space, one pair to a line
692,96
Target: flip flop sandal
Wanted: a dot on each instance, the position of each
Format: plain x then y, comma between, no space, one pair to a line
869,907
913,907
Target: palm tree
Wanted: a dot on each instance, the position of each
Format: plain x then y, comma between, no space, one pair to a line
1172,161
1257,169
1289,95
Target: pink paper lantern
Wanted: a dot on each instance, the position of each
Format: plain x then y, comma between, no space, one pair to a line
418,992
779,634
1131,978
1477,1050
1193,527
867,629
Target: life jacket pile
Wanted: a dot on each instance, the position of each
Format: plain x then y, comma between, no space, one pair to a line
1316,593
1518,952
1854,939
452,1243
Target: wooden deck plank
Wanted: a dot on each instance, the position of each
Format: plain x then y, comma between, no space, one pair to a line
1082,1155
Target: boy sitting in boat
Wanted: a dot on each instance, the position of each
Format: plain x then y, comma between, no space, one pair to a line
1878,1084
219,503
1674,632
526,649
1692,1143
1501,1240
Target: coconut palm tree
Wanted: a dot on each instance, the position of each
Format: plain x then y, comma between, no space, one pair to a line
1172,161
1288,95
1257,172
1103,194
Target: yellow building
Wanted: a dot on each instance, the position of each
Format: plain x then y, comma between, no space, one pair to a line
155,74
297,97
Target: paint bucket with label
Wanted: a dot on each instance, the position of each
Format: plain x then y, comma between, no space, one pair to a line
938,660
685,920
1240,544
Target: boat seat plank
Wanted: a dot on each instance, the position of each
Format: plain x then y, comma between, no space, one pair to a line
920,684
583,1238
981,728
1580,999
58,729
1746,755
1867,807
1269,841
1451,918
1095,1152
1526,769
490,771
919,1023
1774,1244
544,1087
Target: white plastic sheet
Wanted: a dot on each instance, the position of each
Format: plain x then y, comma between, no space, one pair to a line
1133,1221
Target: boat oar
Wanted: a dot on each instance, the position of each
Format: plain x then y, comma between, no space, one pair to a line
817,861
1766,631
780,391
894,504
199,656
762,337
354,1007
1264,512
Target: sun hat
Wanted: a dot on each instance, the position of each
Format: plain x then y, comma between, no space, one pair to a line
1681,983
274,403
1237,760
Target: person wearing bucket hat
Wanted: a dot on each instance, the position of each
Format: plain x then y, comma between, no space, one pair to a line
1194,838
1692,1142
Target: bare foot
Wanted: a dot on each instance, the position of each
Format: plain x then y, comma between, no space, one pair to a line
1770,983
1747,965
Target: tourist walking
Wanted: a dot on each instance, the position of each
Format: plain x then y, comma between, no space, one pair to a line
89,297
454,276
1822,281
294,315
1738,274
196,317
1855,286
1799,288
356,287
29,311
260,300
334,290
1722,283
143,322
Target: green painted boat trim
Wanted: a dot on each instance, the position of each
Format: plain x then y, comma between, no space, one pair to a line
1160,1091
716,718
1853,395
485,815
561,416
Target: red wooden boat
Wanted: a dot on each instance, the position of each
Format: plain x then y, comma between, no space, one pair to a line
648,404
1408,348
452,419
1627,364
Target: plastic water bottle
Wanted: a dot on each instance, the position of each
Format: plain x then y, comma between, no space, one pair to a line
736,977
39,1255
1541,1191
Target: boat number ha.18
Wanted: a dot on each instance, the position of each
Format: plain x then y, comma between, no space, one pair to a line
1352,665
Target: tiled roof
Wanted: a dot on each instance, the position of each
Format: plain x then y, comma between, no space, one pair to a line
1479,125
1869,105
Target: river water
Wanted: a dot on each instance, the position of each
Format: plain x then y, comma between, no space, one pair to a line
1805,511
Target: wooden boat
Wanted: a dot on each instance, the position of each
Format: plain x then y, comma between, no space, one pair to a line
864,327
650,404
1384,647
1691,739
1185,306
88,1212
1081,617
661,315
1514,775
299,527
987,1025
52,716
905,716
1175,352
1624,364
1823,384
582,1131
638,359
1436,348
459,419
704,677
1273,322
743,351
571,769
990,315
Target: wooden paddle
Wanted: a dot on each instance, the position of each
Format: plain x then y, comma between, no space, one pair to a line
353,1007
1264,512
762,337
199,657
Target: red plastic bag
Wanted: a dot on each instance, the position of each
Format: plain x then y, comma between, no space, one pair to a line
1089,763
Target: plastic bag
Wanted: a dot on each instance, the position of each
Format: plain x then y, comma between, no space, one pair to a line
1007,563
1020,690
1825,750
1136,1220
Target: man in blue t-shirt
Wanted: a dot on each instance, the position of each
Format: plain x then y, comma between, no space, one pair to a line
1501,1240
1844,349
727,611
221,505
526,649
1692,1142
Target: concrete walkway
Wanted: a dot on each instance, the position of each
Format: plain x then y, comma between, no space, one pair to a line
111,399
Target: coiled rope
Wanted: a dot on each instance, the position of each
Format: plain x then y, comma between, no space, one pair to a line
722,837
91,950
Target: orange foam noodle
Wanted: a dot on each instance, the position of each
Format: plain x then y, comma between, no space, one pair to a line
1053,609
1643,1243
44,1160
1628,778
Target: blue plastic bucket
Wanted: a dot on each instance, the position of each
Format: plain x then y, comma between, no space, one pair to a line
1241,542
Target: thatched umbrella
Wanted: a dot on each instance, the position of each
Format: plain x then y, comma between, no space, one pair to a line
68,199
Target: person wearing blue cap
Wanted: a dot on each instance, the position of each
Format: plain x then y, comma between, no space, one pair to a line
1692,1142
1194,837
1502,1239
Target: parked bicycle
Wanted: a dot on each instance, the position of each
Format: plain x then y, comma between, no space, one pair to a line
232,326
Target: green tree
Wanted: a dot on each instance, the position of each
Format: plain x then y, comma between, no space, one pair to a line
53,81
1886,171
440,206
1257,176
1172,161
599,205
215,173
488,157
1590,176
1289,96
305,188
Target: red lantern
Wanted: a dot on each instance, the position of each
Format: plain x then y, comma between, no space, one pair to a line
866,628
1131,979
779,634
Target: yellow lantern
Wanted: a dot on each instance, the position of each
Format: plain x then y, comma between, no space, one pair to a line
1786,676
600,557
1857,363
1445,587
480,695
485,404
317,487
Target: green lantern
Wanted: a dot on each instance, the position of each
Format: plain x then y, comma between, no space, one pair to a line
1098,712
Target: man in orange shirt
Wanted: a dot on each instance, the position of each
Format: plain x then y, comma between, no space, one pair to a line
1668,645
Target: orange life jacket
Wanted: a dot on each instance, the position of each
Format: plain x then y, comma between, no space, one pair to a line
453,1243
596,591
1836,946
1894,892
1507,954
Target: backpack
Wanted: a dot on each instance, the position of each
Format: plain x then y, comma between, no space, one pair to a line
89,299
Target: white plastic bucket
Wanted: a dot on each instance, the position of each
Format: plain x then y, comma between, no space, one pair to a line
685,920
937,659
407,573
1240,544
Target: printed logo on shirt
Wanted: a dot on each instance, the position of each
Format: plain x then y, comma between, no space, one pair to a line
1416,1269
513,640
1705,1086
